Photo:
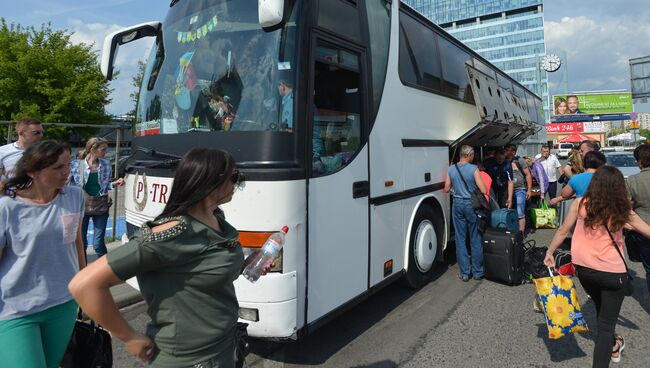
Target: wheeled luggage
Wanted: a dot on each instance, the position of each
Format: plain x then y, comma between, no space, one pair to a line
503,256
504,218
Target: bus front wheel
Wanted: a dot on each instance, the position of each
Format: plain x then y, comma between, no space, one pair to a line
424,248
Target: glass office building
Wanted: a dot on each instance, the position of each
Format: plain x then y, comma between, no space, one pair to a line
640,81
509,33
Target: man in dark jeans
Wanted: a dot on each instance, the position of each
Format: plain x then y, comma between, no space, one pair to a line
639,188
464,178
522,181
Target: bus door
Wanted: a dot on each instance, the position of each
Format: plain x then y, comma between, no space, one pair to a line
338,188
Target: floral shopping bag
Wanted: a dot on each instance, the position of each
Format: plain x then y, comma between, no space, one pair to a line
559,299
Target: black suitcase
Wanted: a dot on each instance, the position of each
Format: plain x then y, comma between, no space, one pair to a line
503,256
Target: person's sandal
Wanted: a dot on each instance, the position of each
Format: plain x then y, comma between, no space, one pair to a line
620,345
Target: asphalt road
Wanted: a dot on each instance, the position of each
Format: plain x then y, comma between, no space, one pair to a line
447,323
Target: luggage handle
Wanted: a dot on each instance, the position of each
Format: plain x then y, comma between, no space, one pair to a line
529,245
552,276
543,205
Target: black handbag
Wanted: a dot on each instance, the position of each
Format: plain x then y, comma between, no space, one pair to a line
482,220
89,347
629,290
95,206
478,199
242,348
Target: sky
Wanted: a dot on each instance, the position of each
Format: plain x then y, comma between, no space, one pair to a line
596,38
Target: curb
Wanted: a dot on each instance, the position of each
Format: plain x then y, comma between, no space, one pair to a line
123,294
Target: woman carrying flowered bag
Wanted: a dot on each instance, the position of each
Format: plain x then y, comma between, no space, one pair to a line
597,253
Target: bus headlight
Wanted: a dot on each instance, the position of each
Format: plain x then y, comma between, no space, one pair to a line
249,314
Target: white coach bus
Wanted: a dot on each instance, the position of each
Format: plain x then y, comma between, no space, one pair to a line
343,116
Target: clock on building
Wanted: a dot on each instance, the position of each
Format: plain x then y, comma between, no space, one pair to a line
551,62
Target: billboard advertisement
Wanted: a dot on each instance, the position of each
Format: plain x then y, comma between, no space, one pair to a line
570,128
594,103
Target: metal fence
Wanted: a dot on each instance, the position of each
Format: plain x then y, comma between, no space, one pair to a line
118,197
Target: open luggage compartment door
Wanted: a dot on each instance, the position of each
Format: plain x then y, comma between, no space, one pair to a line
504,118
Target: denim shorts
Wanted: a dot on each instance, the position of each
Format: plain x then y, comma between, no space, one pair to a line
520,200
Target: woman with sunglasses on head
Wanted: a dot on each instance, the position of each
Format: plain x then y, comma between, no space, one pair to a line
93,173
597,253
40,252
185,261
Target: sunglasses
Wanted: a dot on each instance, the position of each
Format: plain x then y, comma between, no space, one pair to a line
237,178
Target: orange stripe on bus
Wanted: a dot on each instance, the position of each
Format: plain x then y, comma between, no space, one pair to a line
252,239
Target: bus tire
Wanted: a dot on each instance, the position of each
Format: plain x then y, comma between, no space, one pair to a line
425,245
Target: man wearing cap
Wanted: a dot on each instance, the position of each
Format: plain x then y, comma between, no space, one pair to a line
30,131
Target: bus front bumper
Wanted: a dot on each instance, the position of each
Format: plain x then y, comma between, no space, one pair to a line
269,305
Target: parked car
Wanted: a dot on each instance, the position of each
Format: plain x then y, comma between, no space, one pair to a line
563,150
624,161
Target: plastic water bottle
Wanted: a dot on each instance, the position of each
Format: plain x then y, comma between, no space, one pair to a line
265,257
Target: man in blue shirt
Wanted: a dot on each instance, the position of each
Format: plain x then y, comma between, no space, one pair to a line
464,178
285,88
501,173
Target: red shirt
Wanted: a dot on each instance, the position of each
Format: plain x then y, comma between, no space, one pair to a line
487,180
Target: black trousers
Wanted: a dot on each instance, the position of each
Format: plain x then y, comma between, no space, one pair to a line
607,290
643,245
552,189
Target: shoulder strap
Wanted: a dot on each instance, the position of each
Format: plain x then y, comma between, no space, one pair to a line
516,161
461,177
618,251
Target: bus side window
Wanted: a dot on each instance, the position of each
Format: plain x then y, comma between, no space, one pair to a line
337,116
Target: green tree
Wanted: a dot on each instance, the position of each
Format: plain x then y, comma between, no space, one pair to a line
136,81
645,133
44,75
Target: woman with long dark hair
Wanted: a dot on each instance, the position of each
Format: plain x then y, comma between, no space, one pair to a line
597,252
186,261
40,252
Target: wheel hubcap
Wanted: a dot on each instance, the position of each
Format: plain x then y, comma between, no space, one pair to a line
425,246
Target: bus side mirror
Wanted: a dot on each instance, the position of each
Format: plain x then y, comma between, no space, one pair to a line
114,40
271,12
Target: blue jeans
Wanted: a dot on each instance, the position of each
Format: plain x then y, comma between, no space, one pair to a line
99,231
464,219
520,201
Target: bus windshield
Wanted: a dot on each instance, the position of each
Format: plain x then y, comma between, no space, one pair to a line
217,70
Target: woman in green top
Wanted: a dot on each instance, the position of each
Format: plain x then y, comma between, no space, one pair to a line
92,172
185,262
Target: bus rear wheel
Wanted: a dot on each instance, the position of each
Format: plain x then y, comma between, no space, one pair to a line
424,248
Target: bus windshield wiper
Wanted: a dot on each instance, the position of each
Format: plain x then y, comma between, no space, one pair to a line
173,3
171,161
